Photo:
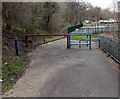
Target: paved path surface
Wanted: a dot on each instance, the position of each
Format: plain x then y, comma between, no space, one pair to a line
59,72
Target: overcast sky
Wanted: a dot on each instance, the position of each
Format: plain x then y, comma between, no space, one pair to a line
101,3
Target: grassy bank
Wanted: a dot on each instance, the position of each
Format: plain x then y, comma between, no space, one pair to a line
13,66
11,71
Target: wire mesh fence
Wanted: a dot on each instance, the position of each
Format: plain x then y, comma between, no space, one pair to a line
98,29
110,46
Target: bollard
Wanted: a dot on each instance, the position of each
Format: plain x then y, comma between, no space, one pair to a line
87,40
16,46
68,41
44,39
79,43
90,42
98,43
26,39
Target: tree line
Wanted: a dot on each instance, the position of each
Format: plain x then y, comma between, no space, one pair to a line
49,17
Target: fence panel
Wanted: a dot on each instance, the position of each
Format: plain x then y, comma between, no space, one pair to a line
110,46
98,29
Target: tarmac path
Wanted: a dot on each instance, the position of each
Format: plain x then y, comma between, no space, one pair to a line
55,71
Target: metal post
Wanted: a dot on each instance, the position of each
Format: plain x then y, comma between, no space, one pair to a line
68,41
44,39
79,43
16,46
90,42
98,43
87,41
26,39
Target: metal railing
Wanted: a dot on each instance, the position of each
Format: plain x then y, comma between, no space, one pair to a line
98,29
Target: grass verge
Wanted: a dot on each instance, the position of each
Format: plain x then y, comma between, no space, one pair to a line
76,37
11,71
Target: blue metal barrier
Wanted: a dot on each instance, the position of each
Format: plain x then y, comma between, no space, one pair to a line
91,40
79,42
16,47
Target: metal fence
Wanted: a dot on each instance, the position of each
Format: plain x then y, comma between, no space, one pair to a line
98,29
110,46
